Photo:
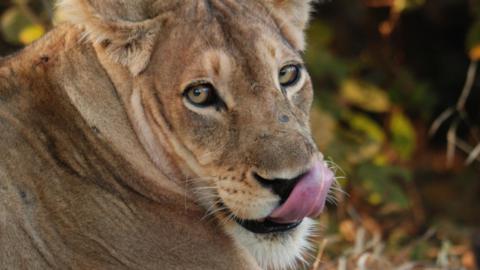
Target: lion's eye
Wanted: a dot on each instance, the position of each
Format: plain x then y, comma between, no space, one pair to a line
201,95
289,75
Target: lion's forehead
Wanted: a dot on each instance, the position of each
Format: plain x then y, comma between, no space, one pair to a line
242,30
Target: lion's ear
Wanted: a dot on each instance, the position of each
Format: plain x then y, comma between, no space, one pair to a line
126,28
294,16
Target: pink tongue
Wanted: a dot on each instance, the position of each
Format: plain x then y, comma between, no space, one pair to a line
308,196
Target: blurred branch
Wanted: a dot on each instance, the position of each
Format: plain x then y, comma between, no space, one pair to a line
451,142
459,111
439,120
472,70
386,27
474,154
465,147
318,259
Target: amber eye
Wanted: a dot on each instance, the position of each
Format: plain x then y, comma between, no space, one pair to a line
289,75
201,95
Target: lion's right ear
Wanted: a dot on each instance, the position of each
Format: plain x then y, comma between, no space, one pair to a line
127,28
293,16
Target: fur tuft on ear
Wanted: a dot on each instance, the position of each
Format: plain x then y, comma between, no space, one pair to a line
127,29
293,17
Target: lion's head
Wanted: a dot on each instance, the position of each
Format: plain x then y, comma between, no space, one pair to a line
220,94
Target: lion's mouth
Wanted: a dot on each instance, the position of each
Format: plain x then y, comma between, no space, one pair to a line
307,199
260,226
266,226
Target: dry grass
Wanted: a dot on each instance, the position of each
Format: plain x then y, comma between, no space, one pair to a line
369,252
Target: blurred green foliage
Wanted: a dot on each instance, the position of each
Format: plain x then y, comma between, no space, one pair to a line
383,72
379,106
24,21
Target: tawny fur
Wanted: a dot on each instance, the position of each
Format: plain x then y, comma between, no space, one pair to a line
105,166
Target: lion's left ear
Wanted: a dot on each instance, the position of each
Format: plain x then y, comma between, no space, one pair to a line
127,29
293,17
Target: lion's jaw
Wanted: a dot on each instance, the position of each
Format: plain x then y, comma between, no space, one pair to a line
277,251
273,249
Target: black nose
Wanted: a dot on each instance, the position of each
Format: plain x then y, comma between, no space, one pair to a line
281,187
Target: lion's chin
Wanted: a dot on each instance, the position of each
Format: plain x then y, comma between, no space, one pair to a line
278,250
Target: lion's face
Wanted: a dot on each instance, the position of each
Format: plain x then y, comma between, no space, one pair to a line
219,89
236,95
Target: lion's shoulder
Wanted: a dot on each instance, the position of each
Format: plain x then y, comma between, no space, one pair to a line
37,65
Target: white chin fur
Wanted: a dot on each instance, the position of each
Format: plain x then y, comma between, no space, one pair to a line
276,251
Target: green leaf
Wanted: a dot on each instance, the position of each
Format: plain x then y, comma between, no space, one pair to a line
12,23
403,135
366,96
402,5
397,196
369,127
382,186
366,136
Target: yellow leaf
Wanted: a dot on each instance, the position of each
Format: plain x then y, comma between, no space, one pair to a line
372,134
364,95
31,33
380,160
402,5
403,134
475,53
366,125
375,198
399,5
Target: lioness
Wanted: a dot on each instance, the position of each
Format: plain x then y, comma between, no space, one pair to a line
160,134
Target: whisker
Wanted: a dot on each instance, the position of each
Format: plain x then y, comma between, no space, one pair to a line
204,188
214,203
190,180
213,212
230,217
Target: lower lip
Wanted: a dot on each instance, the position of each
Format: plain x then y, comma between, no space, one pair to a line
263,226
266,226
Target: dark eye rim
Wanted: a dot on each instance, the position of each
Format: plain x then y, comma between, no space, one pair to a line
213,99
298,68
